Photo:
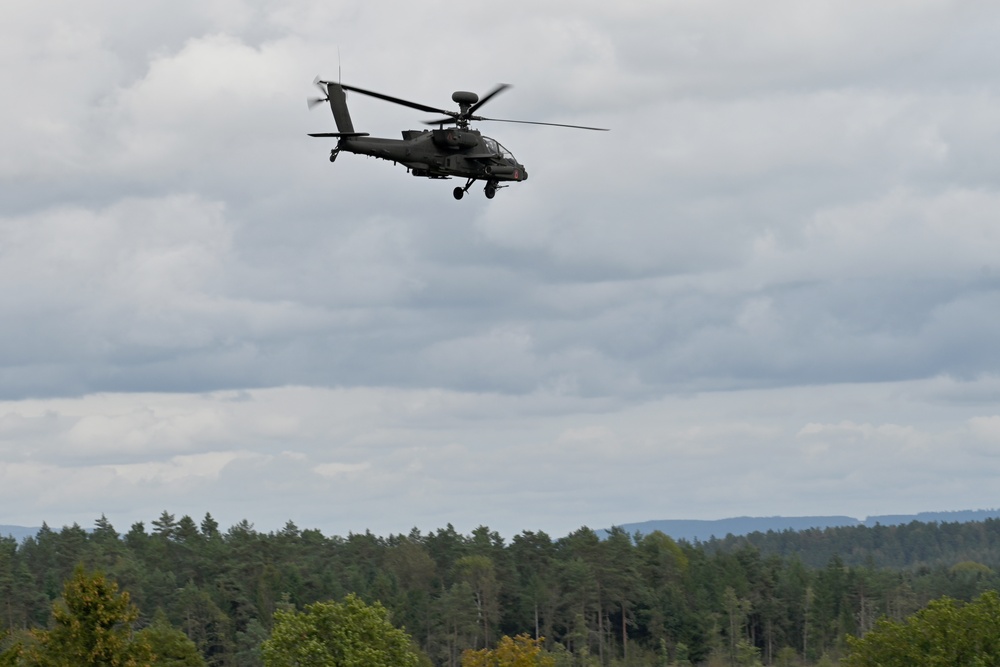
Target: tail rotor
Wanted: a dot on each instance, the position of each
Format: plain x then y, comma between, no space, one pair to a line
313,102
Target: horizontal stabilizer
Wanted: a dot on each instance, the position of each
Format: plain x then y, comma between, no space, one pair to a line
340,134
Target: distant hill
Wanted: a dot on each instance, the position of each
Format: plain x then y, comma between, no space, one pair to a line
692,529
703,530
18,532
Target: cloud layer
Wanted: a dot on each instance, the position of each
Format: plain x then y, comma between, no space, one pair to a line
794,203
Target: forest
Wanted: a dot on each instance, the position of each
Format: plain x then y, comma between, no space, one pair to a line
784,598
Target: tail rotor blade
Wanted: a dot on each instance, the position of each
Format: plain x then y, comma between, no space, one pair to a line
313,102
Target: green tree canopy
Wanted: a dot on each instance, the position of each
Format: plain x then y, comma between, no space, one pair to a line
944,634
338,634
171,646
91,626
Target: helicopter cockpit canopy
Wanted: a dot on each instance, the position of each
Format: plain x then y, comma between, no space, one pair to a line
497,149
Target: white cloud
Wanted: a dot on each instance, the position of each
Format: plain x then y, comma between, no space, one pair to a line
334,470
796,202
178,469
986,428
386,459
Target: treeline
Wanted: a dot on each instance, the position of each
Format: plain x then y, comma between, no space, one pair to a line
636,600
911,545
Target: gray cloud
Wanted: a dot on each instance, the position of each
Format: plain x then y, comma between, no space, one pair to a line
388,460
793,200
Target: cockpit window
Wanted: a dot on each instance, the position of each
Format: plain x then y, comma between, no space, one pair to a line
497,149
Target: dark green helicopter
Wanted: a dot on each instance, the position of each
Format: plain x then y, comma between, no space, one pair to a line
440,153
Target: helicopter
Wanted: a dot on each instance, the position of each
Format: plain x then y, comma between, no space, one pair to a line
452,149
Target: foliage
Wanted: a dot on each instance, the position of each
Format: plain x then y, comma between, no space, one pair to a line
520,651
337,634
898,546
787,657
92,625
945,633
644,600
171,646
12,648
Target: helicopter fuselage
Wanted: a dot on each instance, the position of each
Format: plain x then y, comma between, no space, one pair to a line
441,153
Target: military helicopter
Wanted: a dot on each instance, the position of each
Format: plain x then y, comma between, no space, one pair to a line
453,149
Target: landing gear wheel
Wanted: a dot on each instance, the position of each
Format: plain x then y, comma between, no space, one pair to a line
491,191
460,192
333,154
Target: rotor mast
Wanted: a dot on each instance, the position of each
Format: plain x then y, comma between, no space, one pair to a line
466,102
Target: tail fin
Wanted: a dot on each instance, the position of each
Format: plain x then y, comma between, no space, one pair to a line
338,104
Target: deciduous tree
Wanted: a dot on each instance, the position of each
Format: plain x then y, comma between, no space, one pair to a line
338,634
171,647
945,633
92,626
519,651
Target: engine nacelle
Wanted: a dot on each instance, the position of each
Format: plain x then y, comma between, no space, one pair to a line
455,139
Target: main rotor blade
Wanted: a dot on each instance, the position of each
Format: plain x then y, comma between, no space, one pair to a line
441,121
397,100
535,122
488,96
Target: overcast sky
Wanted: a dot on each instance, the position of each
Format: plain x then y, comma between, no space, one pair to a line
772,288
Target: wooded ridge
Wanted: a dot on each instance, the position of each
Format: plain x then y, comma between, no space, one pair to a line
695,529
635,599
